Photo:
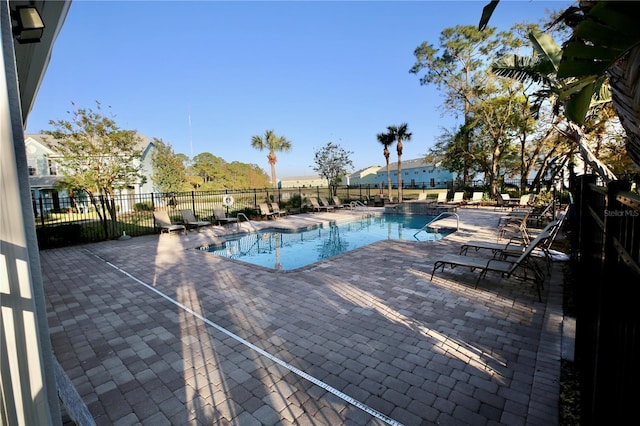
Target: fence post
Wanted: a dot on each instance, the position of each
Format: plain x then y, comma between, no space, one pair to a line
611,390
41,210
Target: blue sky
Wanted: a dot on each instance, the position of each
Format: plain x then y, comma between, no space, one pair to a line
205,76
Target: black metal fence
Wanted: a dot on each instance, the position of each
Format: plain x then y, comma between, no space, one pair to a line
68,221
605,237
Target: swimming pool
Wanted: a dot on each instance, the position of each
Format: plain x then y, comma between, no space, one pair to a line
284,250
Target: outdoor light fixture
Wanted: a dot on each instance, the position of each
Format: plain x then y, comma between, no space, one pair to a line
29,26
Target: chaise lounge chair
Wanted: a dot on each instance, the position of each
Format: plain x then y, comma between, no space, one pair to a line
524,267
442,198
475,200
516,246
190,220
325,203
458,198
275,208
163,222
265,212
339,204
221,218
317,207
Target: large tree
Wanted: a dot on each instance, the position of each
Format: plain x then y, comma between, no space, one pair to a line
386,139
458,68
169,173
332,163
399,134
273,143
98,157
209,168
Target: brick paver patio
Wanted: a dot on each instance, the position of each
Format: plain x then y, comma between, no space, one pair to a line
152,331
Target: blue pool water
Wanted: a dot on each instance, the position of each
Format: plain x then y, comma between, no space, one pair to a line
285,250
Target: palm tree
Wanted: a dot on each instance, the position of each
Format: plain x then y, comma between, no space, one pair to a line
273,143
386,139
542,69
399,134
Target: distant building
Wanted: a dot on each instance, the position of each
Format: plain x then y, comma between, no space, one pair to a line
302,181
416,174
366,176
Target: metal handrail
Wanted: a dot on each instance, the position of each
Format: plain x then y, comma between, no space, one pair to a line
440,216
239,215
357,203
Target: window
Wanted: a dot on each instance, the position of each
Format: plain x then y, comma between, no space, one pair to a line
53,168
32,171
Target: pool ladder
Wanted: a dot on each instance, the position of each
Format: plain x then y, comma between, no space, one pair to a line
247,219
440,216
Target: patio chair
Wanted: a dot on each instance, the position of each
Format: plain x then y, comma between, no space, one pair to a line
317,207
442,198
541,214
458,198
523,268
512,226
220,216
516,246
190,220
524,201
504,202
475,200
163,222
275,208
325,203
339,204
265,212
422,197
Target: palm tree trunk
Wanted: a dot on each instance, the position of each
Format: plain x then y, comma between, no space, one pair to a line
274,183
399,172
388,178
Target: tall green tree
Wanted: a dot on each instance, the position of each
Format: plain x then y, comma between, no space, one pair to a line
386,139
332,163
273,143
169,173
399,134
495,134
209,168
98,157
458,68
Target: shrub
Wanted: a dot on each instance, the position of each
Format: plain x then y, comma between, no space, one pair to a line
144,206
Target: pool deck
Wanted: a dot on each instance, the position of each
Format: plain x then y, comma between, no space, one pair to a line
152,331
